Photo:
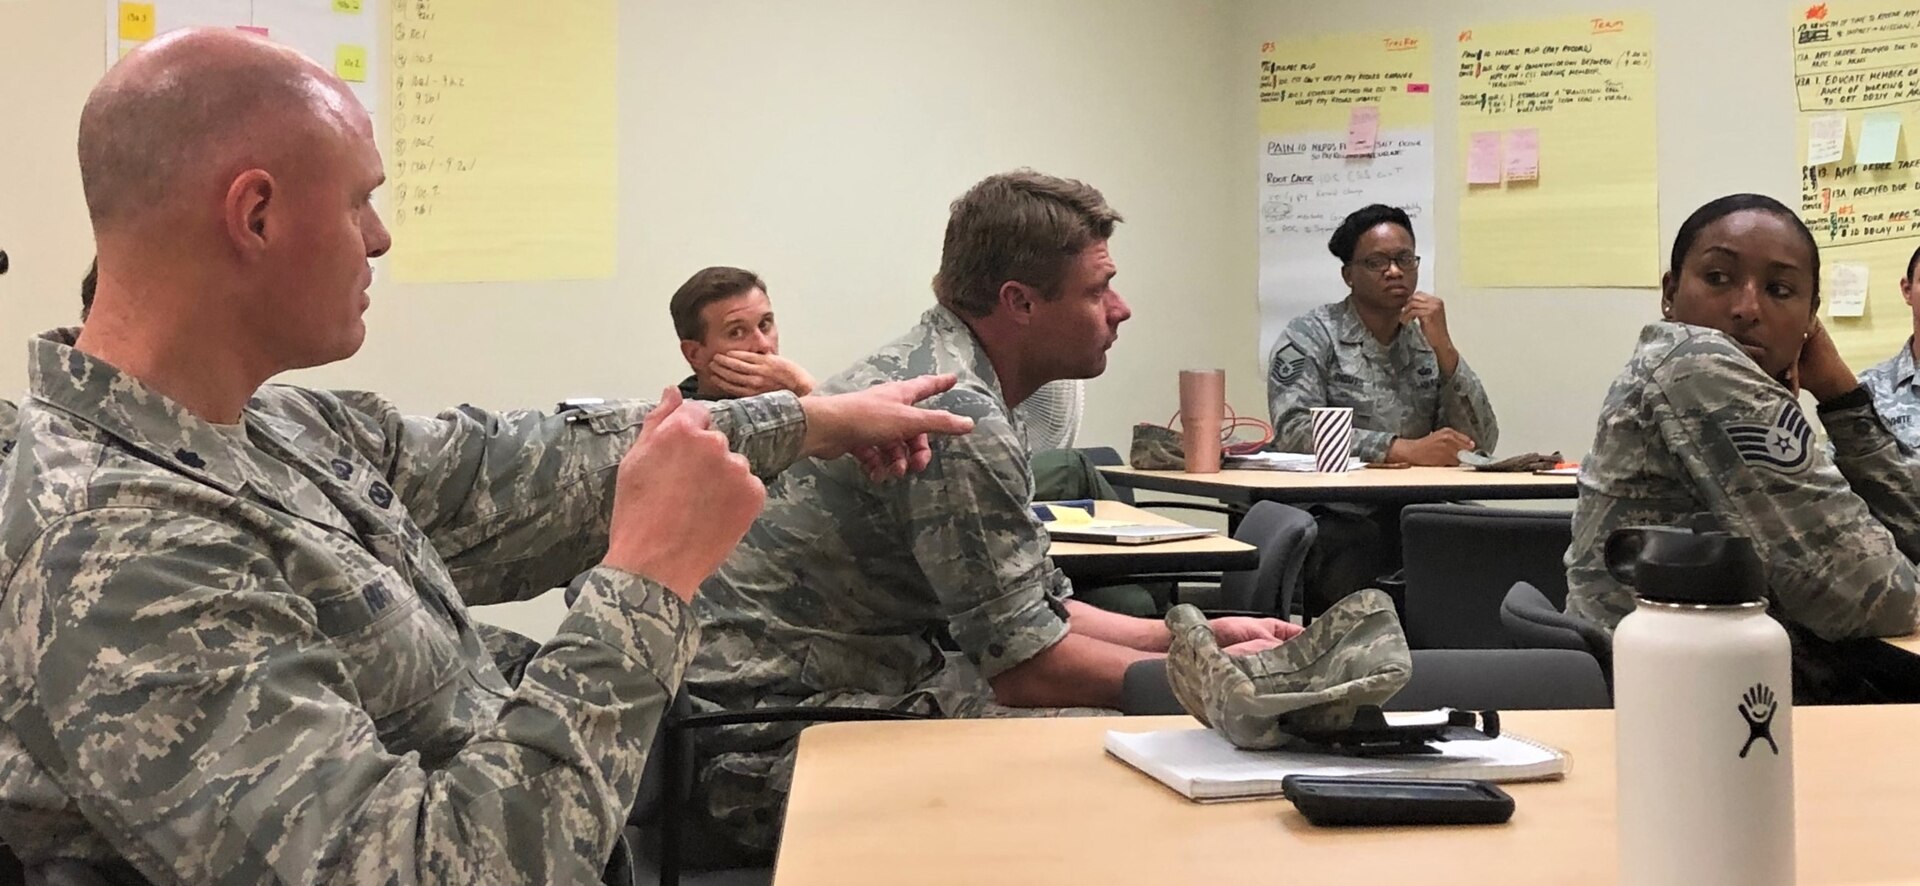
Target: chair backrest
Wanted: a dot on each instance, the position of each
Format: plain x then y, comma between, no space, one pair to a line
1146,691
1461,559
1533,622
1109,457
1284,534
1503,680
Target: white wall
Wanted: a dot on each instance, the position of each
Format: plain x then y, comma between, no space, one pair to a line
1726,124
818,143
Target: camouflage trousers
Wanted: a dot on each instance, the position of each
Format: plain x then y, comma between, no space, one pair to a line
1357,546
743,773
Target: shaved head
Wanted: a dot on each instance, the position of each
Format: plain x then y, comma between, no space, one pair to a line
192,108
231,185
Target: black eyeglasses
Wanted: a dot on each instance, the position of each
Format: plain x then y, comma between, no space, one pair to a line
1379,264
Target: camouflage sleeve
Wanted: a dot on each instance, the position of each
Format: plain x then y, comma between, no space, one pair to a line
975,537
9,425
198,711
1464,407
1884,473
1750,453
1297,382
518,503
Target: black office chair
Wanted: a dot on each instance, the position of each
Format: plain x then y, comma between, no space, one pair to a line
1461,559
1145,691
1533,622
1282,533
1503,680
667,786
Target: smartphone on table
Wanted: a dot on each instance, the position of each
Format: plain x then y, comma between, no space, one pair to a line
1358,801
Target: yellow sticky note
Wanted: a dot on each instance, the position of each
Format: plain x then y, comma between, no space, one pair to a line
350,63
136,21
347,6
1065,516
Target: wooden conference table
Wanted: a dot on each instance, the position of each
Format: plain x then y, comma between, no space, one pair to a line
1037,801
1214,553
1383,485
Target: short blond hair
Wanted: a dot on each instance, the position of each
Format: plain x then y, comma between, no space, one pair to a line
1021,226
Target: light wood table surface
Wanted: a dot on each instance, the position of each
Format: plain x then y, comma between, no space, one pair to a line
1037,801
1394,485
1213,553
1910,643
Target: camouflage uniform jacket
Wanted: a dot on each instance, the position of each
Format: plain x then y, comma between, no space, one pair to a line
1896,395
9,425
237,654
1693,425
1326,357
845,586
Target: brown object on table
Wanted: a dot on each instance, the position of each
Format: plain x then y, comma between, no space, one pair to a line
1528,463
1203,410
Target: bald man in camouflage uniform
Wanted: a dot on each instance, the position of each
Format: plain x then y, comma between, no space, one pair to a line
1896,392
207,586
842,592
1694,426
234,624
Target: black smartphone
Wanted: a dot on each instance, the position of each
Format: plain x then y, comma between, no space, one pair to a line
1337,802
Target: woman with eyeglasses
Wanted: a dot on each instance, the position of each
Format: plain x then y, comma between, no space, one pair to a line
1705,419
1385,352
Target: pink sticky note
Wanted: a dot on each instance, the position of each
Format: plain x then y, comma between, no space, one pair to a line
1362,126
1483,158
1523,155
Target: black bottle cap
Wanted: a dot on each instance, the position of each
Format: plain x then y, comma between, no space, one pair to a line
1686,565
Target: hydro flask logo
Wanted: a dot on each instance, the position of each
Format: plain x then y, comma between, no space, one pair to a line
1758,708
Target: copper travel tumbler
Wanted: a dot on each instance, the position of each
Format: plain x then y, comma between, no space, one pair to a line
1203,409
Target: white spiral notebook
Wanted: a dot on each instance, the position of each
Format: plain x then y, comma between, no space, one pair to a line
1203,766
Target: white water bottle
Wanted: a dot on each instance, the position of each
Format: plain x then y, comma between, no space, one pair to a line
1703,699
